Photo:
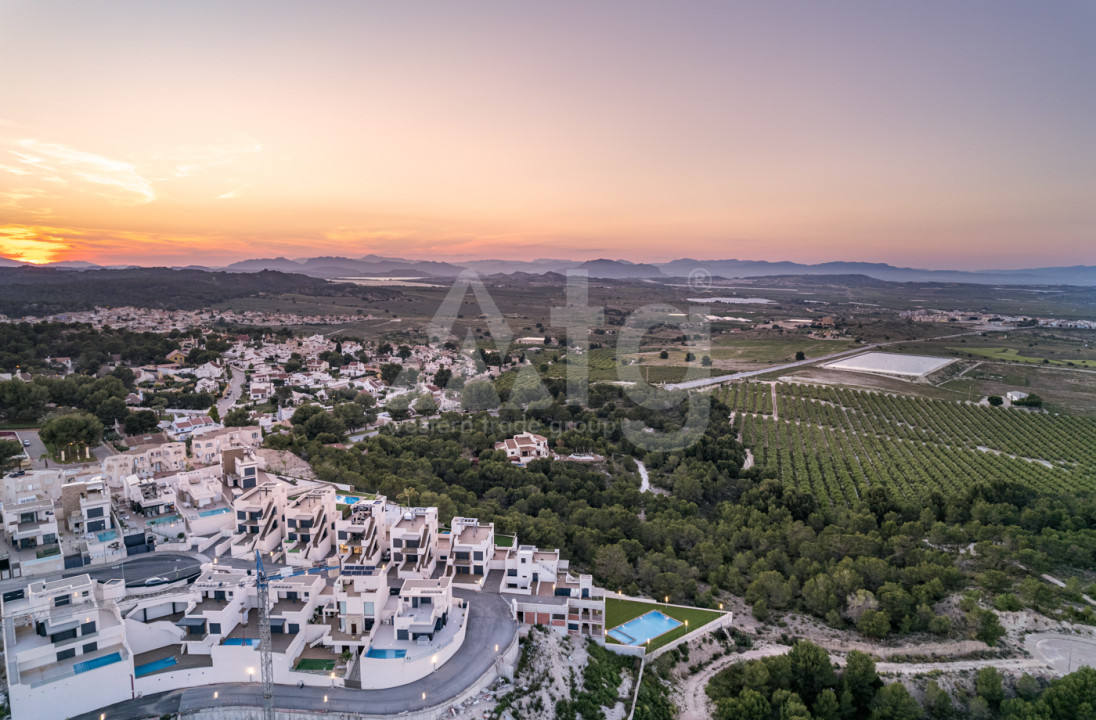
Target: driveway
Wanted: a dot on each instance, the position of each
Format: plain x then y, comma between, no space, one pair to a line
489,626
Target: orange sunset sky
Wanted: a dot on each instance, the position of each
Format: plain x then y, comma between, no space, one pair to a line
930,134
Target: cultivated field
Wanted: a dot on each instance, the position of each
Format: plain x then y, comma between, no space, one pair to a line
836,442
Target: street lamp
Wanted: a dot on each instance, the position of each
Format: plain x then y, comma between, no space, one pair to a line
332,679
250,674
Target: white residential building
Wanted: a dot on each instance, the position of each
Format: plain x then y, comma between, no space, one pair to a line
413,541
144,461
524,447
66,639
310,527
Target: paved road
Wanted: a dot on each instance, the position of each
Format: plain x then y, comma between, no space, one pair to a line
489,625
703,382
135,570
235,388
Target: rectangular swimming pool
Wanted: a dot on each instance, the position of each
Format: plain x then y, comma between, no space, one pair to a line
214,511
165,520
82,667
346,499
643,628
384,653
107,535
149,668
250,642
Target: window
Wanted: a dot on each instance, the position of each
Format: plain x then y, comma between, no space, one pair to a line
66,654
477,555
95,512
90,647
61,600
63,636
214,628
87,628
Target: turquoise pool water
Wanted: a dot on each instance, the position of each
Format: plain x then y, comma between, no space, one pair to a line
107,535
82,667
250,642
149,668
643,628
165,520
387,654
346,499
214,511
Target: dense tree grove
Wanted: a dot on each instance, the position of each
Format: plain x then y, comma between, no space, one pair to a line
804,684
27,402
27,346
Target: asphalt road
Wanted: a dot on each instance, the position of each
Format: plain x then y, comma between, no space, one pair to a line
489,625
235,388
136,570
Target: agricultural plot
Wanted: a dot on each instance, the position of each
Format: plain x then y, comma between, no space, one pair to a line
836,443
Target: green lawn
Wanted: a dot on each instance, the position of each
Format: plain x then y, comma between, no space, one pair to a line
618,612
315,665
504,540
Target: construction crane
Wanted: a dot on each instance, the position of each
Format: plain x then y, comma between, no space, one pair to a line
266,661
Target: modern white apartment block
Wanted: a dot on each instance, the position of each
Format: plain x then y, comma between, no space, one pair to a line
240,466
86,506
148,497
552,596
65,639
413,540
310,527
31,522
471,548
259,520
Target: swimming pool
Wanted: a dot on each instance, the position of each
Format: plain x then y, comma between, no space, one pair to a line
149,668
250,642
82,667
107,535
385,653
165,520
214,511
346,499
643,628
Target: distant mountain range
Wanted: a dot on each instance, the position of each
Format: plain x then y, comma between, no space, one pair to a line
328,267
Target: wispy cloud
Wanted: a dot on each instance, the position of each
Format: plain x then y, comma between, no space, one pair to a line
118,180
191,160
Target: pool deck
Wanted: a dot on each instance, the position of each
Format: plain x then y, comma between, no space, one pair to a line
182,662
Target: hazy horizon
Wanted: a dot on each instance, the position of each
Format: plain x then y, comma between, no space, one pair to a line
925,135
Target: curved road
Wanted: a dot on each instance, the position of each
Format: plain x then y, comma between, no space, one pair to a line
489,625
136,570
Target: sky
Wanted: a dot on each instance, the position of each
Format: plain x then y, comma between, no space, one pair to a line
928,134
